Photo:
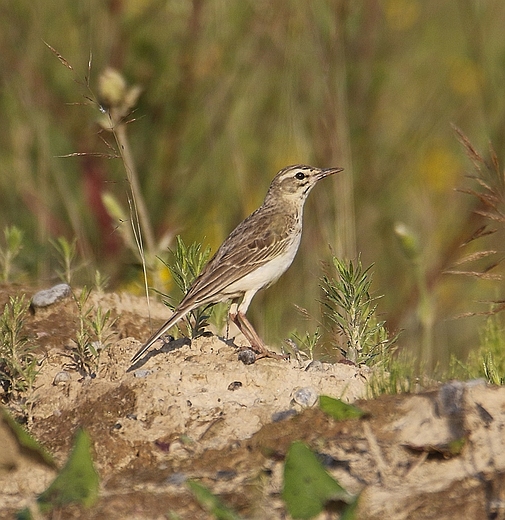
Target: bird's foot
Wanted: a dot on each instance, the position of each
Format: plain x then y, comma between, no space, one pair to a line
249,355
257,350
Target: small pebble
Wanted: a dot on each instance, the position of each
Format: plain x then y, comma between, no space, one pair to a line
141,373
50,296
306,397
247,356
314,365
61,377
235,385
282,416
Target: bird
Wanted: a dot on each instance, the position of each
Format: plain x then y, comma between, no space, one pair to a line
253,257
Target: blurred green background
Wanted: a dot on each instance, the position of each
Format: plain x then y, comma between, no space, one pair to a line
232,91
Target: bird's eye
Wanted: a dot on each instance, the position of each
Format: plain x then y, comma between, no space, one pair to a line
300,176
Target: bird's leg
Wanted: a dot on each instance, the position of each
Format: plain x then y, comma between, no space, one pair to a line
244,325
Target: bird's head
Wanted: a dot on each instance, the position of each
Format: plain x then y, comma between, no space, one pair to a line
295,182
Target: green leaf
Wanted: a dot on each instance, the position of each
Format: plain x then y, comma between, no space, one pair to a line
339,410
307,485
210,502
27,442
77,481
188,262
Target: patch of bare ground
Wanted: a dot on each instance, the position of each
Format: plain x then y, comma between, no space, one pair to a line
195,411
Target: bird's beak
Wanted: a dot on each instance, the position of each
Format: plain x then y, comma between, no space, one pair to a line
328,171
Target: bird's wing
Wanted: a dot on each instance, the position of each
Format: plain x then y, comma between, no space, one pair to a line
247,248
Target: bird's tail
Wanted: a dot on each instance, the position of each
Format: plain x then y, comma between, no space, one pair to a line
176,316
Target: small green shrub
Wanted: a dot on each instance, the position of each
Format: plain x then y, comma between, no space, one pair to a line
305,345
94,330
18,364
353,311
488,360
13,245
188,262
66,252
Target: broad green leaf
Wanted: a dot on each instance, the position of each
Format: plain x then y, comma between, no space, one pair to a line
338,409
77,481
210,502
307,485
26,441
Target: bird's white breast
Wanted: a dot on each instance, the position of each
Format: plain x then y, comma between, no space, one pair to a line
268,273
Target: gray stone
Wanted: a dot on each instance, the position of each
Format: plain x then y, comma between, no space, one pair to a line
61,377
50,296
305,397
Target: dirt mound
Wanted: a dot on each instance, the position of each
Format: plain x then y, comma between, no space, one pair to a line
197,412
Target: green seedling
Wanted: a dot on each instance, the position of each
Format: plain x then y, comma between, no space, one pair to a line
188,262
352,309
13,245
18,364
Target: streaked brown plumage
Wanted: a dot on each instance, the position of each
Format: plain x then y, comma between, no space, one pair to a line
255,254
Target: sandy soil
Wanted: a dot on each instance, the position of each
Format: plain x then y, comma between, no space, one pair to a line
195,411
